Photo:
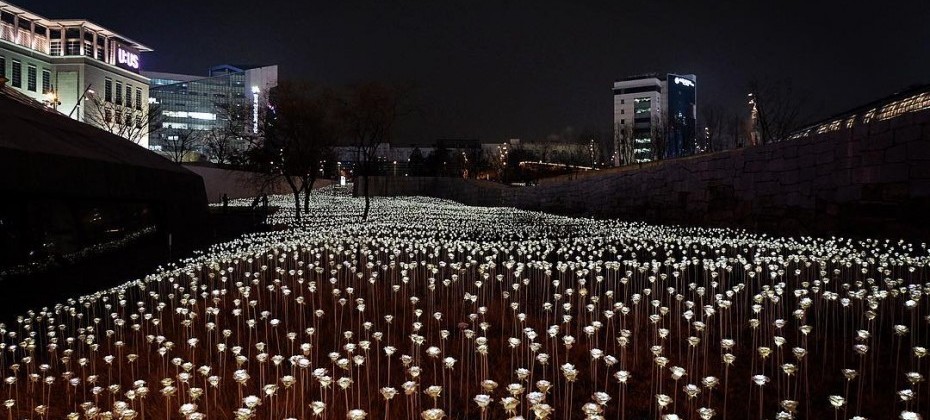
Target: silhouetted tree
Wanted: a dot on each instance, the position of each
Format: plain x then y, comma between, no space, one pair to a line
416,162
603,143
624,147
369,114
128,121
301,132
513,171
781,108
180,143
437,161
660,132
231,136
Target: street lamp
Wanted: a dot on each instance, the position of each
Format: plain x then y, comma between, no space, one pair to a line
51,98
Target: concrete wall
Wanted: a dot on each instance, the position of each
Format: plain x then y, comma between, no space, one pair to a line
240,184
871,180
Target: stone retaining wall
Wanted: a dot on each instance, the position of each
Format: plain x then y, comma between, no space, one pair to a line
870,180
241,184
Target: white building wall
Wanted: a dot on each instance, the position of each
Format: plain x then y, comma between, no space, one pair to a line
12,52
70,77
624,108
264,78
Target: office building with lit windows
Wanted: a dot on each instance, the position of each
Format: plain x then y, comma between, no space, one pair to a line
654,117
82,69
189,102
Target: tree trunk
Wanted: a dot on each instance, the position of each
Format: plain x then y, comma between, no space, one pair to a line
308,187
296,192
297,206
367,197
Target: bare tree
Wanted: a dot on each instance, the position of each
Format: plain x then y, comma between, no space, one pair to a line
780,109
659,138
369,114
301,132
603,143
230,136
131,122
717,134
497,160
546,146
127,121
180,143
623,144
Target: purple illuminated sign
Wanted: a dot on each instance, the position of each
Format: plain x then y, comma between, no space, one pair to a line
127,58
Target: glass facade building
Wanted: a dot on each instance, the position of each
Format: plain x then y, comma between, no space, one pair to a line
199,103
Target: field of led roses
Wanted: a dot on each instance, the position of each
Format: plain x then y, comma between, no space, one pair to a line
433,310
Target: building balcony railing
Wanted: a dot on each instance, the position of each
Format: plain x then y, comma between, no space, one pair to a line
24,38
7,33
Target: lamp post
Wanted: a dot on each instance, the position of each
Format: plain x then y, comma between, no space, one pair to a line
87,90
51,98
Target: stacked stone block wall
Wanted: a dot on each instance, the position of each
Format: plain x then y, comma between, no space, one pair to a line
870,180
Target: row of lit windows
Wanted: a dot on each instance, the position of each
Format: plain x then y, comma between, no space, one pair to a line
115,95
642,105
894,109
15,75
913,104
127,118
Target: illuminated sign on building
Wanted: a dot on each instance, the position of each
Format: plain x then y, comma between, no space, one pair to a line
127,58
255,91
683,81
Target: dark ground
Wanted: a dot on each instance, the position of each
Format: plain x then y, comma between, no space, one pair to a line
32,292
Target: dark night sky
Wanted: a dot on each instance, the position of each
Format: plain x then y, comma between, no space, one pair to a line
501,69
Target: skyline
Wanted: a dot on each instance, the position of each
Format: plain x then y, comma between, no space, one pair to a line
493,71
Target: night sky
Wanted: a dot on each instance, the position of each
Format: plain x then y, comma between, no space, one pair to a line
500,69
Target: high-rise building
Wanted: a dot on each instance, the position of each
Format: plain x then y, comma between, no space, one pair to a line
654,117
82,69
228,95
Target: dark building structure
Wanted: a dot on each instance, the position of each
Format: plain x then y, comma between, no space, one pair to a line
681,115
70,189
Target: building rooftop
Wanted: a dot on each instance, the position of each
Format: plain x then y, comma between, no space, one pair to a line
913,99
641,76
170,76
237,67
53,23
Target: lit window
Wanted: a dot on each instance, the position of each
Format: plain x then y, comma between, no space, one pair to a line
46,80
108,90
55,47
73,47
17,74
642,105
101,47
31,76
